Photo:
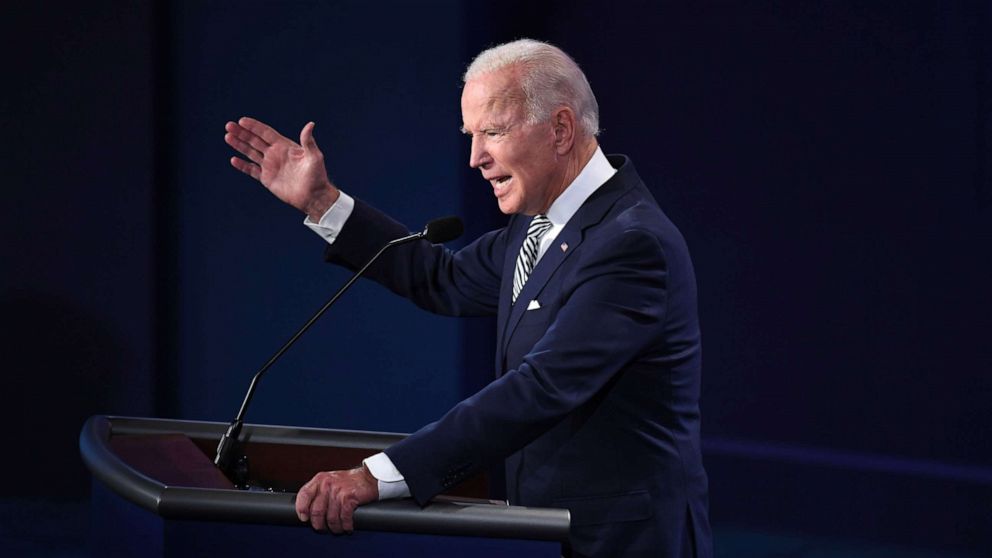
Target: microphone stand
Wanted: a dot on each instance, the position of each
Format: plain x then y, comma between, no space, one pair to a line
237,471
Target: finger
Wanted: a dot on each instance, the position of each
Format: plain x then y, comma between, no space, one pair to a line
250,169
334,512
318,505
348,516
261,130
244,148
318,512
303,499
306,137
246,135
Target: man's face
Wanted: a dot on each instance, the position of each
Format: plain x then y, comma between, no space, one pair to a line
518,159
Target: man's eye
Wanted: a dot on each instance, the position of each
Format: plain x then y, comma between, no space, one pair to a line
494,133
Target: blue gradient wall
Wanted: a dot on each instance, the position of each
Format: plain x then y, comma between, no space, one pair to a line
828,164
384,94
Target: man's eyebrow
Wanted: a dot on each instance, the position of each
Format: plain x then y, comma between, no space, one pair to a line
488,126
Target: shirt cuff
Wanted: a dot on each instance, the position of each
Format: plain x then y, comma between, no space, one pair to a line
333,220
391,482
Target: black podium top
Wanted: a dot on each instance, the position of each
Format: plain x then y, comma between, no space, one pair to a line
121,453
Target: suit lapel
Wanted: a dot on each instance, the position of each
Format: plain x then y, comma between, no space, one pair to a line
518,232
571,237
591,213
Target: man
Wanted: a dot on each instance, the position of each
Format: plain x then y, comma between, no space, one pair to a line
595,405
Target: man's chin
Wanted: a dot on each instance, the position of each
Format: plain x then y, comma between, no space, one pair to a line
507,207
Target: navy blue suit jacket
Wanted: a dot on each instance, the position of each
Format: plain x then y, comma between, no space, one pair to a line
595,404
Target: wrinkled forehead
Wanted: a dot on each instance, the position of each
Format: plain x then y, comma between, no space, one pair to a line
491,95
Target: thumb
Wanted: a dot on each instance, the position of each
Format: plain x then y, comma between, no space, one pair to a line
306,137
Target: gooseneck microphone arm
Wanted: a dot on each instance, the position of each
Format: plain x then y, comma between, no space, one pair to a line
437,231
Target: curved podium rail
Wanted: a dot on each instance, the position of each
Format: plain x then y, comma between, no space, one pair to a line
444,516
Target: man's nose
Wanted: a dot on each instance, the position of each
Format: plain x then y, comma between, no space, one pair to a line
478,157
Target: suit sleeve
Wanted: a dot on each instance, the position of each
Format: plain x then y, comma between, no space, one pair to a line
453,283
614,311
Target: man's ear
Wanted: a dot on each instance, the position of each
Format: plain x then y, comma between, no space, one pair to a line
564,125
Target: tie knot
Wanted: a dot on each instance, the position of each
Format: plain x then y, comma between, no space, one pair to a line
529,252
538,226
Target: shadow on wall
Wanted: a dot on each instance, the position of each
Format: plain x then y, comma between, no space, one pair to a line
62,365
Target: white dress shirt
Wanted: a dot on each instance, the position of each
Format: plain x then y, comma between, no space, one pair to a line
596,172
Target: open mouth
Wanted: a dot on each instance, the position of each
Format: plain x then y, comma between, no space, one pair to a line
500,185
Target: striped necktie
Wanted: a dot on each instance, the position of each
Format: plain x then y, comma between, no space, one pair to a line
528,252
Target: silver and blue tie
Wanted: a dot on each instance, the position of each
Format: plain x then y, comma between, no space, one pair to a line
528,252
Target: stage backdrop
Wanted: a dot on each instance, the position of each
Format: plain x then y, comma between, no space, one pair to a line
828,164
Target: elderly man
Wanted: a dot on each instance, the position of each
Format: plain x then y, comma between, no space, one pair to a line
595,403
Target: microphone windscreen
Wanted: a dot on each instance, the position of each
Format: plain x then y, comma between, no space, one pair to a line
444,230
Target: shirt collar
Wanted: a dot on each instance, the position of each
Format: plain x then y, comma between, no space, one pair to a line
596,172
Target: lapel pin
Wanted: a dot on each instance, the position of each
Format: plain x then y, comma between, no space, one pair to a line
564,246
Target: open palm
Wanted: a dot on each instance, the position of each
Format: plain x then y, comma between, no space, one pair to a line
293,172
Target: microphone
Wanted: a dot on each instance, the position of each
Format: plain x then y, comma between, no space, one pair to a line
437,231
443,230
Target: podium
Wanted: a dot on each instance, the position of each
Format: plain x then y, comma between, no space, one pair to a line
156,492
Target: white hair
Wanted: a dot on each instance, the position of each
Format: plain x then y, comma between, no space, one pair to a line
549,79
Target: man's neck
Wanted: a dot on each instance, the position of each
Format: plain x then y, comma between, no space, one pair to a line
577,159
583,154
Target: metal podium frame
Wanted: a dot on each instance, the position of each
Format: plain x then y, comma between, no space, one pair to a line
446,515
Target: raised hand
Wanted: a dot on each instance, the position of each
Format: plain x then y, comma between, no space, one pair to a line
294,172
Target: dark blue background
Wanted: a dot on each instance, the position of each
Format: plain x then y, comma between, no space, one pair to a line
828,164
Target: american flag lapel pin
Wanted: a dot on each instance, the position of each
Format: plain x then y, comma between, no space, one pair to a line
564,246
